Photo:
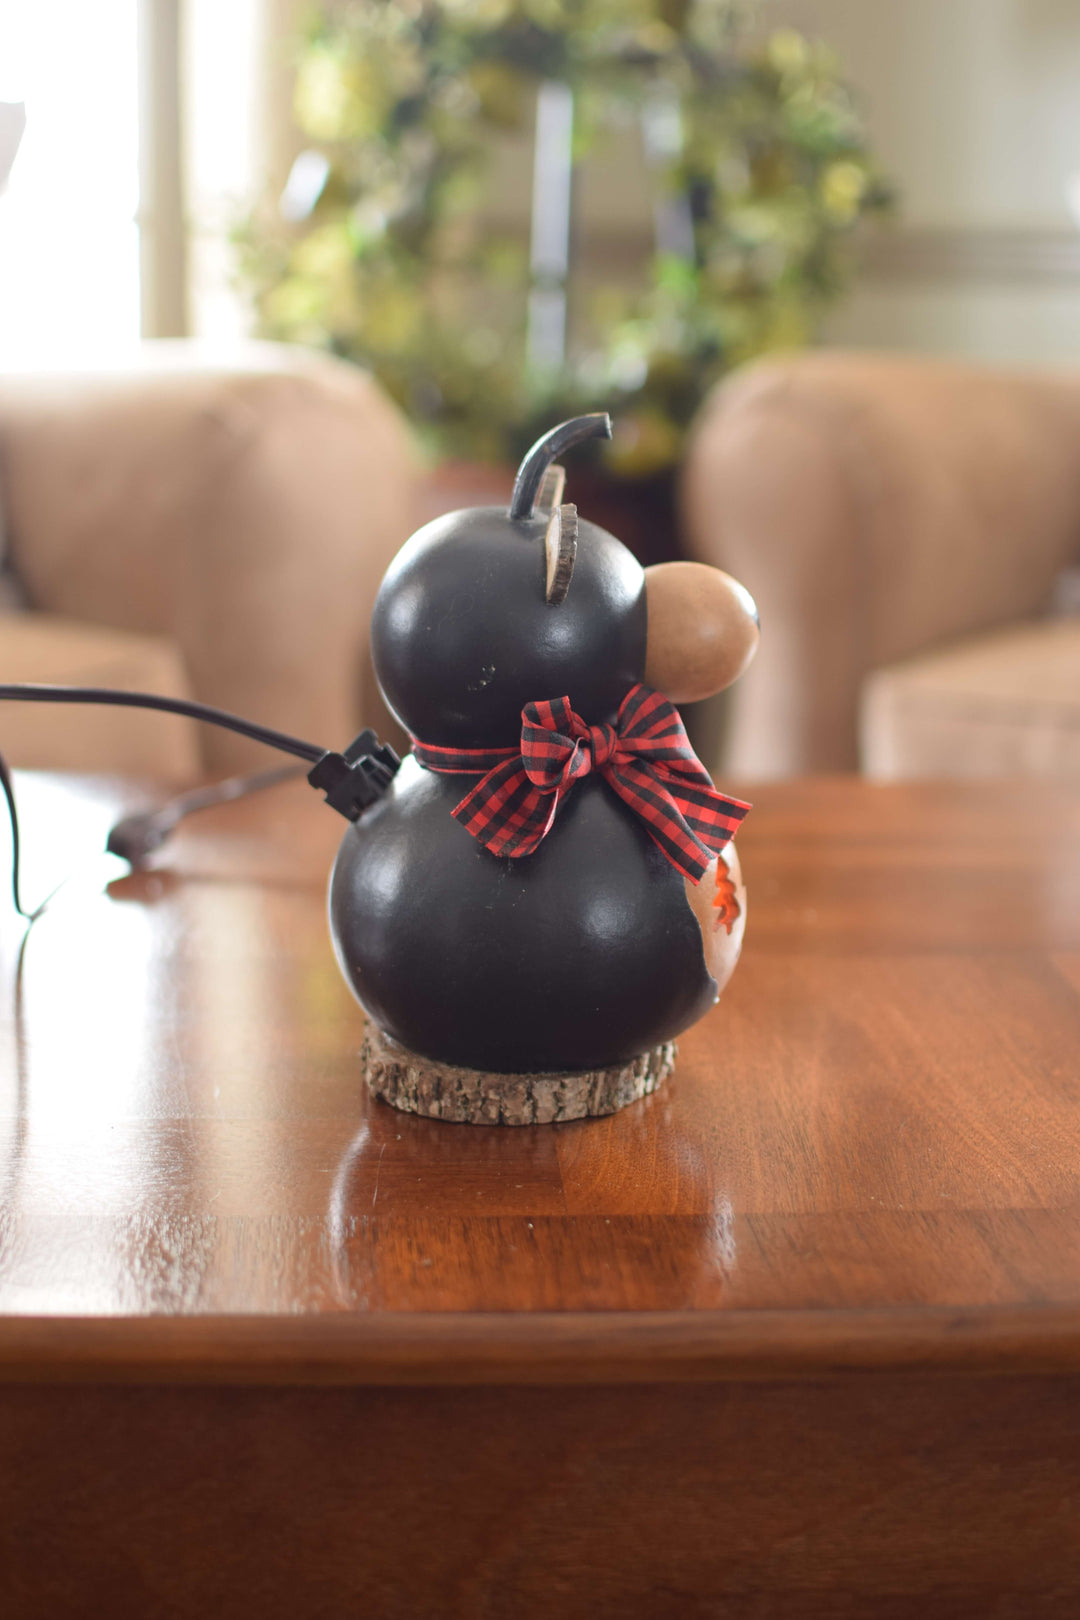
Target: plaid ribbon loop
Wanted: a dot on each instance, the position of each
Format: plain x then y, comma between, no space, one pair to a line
645,757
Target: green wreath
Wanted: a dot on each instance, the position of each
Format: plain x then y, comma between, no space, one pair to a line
403,103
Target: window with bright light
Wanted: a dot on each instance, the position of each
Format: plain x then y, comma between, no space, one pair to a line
69,247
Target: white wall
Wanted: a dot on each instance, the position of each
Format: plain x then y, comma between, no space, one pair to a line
974,107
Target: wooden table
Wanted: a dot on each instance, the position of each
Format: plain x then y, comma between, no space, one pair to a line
798,1336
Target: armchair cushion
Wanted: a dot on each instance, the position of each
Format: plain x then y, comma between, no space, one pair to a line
1006,704
44,647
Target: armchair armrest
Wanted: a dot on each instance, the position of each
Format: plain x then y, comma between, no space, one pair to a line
244,505
874,506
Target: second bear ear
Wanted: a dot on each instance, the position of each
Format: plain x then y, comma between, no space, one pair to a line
702,631
551,488
560,546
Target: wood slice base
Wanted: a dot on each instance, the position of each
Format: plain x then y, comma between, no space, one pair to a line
419,1085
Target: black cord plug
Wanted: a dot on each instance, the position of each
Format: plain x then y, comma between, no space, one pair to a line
137,836
357,778
134,838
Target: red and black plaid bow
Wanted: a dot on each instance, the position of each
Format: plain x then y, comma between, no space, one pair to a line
645,756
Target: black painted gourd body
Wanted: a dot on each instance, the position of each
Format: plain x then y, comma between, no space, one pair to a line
578,956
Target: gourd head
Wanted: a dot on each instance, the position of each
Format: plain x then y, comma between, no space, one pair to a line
489,608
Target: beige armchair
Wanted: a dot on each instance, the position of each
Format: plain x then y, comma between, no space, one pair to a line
901,523
206,526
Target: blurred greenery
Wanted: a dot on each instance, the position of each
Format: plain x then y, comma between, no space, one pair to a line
393,265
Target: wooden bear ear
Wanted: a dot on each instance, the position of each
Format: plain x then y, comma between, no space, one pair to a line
551,488
560,546
703,630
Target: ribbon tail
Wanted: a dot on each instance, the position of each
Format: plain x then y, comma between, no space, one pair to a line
690,825
505,811
712,816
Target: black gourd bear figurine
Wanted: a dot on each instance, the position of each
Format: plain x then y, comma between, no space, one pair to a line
546,889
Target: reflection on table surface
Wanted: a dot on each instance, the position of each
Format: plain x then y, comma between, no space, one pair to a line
881,1109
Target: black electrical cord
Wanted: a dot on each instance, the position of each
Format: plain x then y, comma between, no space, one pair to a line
9,795
148,700
135,837
20,693
350,781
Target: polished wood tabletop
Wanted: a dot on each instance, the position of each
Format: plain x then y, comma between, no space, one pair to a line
867,1161
880,1114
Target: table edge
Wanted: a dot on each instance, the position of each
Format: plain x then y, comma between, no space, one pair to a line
418,1348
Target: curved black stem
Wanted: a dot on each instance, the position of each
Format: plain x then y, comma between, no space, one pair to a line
535,463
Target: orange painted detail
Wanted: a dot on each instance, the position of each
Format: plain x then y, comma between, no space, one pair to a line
725,900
